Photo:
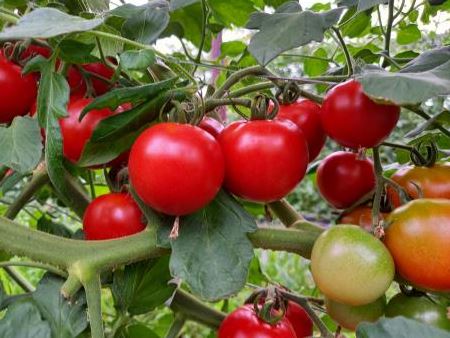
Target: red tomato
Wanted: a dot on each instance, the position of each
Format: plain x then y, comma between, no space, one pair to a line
343,179
353,120
306,115
211,125
300,321
78,85
17,91
176,168
244,323
361,215
418,237
264,159
34,50
76,134
112,216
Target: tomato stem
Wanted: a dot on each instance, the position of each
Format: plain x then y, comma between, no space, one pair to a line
177,326
378,189
92,287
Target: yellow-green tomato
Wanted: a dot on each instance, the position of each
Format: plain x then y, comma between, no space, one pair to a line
349,316
351,266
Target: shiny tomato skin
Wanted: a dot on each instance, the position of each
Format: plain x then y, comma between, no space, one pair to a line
17,91
264,159
299,319
349,316
353,120
111,216
343,178
361,215
176,168
420,308
75,134
350,266
432,182
306,115
212,126
244,323
418,237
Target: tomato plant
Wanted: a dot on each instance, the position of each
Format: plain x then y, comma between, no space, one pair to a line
361,215
264,160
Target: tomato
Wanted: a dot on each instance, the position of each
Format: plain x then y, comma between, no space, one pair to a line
306,115
78,84
419,308
34,50
176,168
361,215
211,125
353,120
343,179
432,182
349,316
264,160
299,319
17,91
112,216
350,266
418,237
244,323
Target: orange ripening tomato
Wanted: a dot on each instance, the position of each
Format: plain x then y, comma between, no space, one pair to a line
431,182
418,237
361,215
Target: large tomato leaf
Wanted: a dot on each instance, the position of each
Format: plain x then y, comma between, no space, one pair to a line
46,23
427,60
141,287
231,12
366,4
212,253
399,327
137,59
283,31
66,319
136,330
21,144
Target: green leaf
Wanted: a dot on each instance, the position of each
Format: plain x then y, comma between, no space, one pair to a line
358,24
428,60
407,87
413,16
442,118
320,7
398,327
136,330
47,225
409,34
315,67
23,320
232,48
280,32
21,144
137,59
366,4
256,275
141,287
148,23
231,12
176,4
66,319
212,253
73,51
45,23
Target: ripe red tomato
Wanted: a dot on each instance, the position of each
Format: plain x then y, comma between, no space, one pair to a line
353,120
112,216
418,237
176,168
78,84
343,178
361,215
433,182
75,134
17,91
420,308
264,160
244,323
34,50
306,115
300,321
350,266
211,125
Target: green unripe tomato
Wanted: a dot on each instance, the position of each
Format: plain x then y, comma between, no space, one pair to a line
350,316
350,266
419,308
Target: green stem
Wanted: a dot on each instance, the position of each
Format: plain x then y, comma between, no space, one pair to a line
177,326
399,10
93,288
91,184
308,57
380,21
348,58
211,104
19,279
202,41
251,89
421,113
236,77
378,189
404,147
387,35
36,265
311,96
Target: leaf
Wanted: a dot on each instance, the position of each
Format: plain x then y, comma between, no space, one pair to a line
366,4
428,60
137,59
148,23
136,330
407,87
47,225
256,275
409,34
256,19
46,23
176,4
141,287
314,67
280,32
443,118
231,12
232,48
212,253
21,144
66,319
73,51
23,320
398,327
357,25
